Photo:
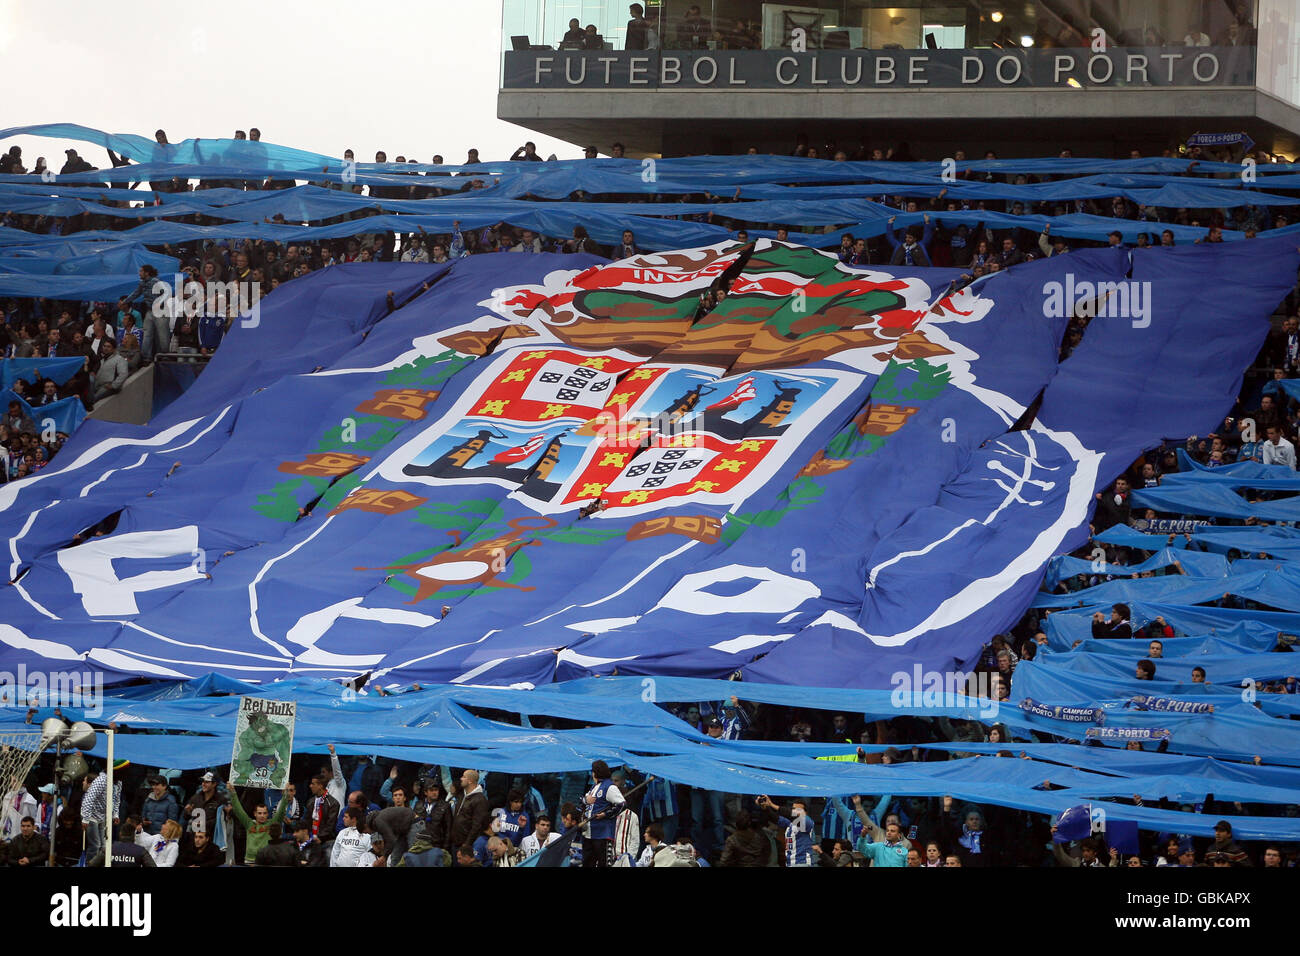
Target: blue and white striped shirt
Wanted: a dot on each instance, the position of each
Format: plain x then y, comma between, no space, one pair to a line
798,841
660,800
839,822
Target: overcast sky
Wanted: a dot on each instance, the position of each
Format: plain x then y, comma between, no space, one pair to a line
412,77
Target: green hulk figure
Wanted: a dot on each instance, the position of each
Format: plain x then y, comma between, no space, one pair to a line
260,746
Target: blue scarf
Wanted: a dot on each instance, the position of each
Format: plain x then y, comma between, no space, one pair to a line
970,839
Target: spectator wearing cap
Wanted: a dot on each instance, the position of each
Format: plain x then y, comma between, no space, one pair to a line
307,847
1224,845
1186,856
44,812
735,719
1053,246
201,809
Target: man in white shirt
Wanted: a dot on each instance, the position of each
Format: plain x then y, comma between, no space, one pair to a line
1277,450
376,855
541,837
528,243
351,846
653,840
415,251
627,826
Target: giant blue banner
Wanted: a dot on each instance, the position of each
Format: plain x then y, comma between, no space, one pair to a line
540,468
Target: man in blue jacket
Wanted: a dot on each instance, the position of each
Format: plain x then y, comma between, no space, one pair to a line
888,847
159,807
909,251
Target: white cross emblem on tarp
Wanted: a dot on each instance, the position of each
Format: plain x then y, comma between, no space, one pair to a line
1020,480
662,468
559,382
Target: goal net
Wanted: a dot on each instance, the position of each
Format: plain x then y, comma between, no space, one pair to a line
18,754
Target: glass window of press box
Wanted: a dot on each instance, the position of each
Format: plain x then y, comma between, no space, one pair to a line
915,25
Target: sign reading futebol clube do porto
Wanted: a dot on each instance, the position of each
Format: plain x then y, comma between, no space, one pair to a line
878,69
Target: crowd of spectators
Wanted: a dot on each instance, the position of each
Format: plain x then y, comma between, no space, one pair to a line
375,812
362,812
1033,26
117,338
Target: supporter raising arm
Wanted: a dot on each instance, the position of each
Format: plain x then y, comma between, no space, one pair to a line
257,827
337,787
799,845
888,846
908,251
